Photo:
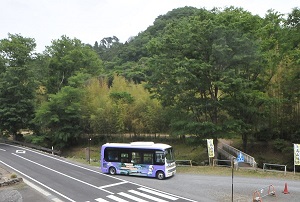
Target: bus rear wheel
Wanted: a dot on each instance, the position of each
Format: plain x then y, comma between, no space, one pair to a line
112,170
160,175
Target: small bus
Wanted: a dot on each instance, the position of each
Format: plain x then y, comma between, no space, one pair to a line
138,158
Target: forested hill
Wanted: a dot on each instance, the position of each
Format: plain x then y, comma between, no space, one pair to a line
210,73
206,60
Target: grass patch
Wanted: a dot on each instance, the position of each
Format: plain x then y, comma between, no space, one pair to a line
80,154
227,171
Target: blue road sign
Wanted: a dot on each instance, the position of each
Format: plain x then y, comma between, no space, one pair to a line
240,157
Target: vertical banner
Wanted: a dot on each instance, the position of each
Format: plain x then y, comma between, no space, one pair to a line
210,148
297,154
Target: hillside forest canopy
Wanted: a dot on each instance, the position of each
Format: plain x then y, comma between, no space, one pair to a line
214,73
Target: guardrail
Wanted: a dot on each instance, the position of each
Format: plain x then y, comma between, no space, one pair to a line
225,154
235,152
216,163
268,167
180,163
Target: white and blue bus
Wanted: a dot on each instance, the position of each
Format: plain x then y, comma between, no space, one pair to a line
138,158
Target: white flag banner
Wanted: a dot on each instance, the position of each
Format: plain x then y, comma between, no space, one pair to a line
210,148
297,154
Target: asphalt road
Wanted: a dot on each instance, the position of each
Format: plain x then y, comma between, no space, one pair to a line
66,181
69,181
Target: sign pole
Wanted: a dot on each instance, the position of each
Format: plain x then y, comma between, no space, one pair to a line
232,180
232,165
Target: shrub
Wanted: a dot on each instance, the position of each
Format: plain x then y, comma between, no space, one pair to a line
13,176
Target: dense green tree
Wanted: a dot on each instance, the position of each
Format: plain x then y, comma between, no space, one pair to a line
61,117
17,50
288,80
17,87
199,59
68,56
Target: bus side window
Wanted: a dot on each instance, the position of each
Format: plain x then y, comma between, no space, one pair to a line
148,158
136,157
112,156
124,158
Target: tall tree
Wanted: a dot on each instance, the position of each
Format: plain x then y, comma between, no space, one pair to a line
16,84
68,56
289,82
193,64
60,118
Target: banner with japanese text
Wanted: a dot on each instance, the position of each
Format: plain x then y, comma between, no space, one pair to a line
210,148
297,154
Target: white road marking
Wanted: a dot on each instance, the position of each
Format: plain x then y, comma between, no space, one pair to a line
116,198
41,190
73,178
69,199
2,149
37,188
158,194
57,200
101,200
111,185
20,151
147,196
132,197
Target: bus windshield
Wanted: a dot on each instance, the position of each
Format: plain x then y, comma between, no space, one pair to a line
169,155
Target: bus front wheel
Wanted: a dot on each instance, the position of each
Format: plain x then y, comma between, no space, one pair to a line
160,175
112,170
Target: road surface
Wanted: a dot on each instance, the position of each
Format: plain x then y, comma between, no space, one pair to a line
63,180
67,181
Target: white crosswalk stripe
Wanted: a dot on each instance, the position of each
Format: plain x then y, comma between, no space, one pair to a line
132,197
113,197
158,194
101,200
138,195
147,196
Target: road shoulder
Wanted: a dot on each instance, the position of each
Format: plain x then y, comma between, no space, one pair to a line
18,192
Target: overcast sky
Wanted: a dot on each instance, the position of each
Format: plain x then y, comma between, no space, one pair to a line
92,20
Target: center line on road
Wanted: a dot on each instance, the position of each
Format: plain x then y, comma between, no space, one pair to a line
73,178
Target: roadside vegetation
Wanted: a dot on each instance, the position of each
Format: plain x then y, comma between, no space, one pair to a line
185,150
207,74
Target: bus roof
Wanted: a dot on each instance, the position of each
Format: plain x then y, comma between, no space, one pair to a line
144,145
